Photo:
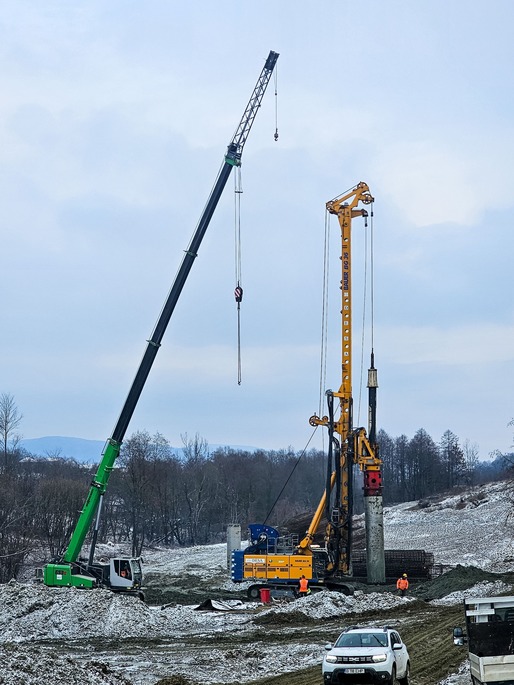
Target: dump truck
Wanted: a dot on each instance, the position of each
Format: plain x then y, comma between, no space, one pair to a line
489,636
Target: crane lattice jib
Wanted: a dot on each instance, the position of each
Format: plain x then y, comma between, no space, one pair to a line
235,149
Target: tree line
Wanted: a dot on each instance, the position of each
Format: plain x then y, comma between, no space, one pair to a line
160,496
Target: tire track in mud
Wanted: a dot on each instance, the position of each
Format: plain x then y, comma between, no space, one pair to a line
427,631
430,643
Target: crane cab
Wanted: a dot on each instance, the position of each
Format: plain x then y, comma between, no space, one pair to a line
120,574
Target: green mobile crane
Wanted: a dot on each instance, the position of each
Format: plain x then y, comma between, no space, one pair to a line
120,574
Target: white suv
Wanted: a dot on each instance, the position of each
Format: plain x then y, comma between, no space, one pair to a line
367,655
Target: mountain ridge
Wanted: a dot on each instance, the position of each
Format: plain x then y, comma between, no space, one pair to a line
86,450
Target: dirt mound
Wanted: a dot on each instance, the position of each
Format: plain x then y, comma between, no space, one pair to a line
327,604
34,666
458,579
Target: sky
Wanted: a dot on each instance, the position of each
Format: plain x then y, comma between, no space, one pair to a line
114,120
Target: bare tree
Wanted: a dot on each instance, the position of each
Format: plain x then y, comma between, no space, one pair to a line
10,419
196,490
471,460
452,458
58,501
15,525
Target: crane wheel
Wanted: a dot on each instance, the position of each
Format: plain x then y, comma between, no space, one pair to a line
254,592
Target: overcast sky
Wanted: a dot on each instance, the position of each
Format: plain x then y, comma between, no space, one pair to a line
114,119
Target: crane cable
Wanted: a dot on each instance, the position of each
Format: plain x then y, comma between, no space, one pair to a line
323,358
372,277
368,250
324,320
238,291
289,477
238,191
275,75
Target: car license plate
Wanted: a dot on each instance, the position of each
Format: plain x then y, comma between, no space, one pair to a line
354,670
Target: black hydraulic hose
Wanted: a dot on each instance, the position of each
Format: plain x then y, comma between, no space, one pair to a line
330,455
349,470
338,475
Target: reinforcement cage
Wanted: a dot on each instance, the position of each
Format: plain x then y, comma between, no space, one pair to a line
416,563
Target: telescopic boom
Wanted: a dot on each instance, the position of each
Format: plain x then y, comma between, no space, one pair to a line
113,444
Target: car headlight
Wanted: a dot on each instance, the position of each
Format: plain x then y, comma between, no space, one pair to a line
377,658
331,658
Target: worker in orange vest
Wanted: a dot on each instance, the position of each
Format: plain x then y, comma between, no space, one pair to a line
402,584
303,587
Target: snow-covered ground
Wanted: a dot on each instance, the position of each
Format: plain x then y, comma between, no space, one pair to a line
59,634
469,529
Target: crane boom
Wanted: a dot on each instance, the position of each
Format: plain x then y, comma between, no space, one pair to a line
53,572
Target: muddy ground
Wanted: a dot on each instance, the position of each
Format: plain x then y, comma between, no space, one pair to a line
427,631
74,634
425,628
58,635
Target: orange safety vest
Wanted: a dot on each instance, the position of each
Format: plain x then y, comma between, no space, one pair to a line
402,584
304,584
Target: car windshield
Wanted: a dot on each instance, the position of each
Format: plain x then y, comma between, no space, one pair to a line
362,640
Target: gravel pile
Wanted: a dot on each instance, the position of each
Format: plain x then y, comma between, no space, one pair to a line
327,604
483,589
456,580
36,612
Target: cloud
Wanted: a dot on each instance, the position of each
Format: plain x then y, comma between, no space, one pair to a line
436,181
479,344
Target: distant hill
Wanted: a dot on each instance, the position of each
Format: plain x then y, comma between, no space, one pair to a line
59,446
87,451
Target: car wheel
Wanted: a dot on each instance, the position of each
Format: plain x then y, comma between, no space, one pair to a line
393,676
405,679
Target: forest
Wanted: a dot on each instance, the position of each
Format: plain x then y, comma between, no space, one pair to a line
160,496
